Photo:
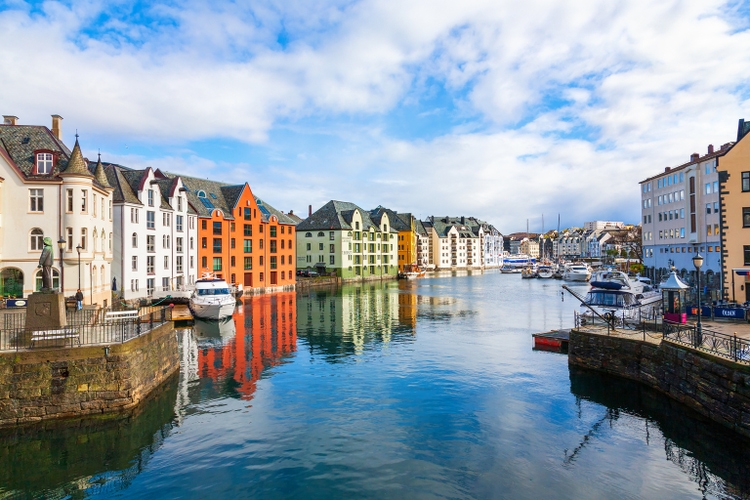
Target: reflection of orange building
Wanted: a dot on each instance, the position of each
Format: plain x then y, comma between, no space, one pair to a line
241,238
266,333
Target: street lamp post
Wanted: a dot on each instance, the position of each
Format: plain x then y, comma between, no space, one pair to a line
61,247
698,262
78,249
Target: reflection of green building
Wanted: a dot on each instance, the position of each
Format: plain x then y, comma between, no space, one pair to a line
344,320
11,282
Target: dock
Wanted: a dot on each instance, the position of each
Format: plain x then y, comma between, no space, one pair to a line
554,341
181,315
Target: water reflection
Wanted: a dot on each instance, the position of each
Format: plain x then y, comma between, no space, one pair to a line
70,459
227,358
347,320
713,457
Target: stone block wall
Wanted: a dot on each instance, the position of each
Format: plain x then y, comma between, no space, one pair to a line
712,386
40,384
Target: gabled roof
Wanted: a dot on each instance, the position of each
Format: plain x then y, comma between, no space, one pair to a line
335,215
19,142
396,220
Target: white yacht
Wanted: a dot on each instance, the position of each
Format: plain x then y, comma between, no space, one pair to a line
576,272
212,299
616,294
545,272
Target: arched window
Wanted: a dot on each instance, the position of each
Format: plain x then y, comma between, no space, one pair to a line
110,242
135,240
37,239
103,279
308,235
94,278
38,279
321,233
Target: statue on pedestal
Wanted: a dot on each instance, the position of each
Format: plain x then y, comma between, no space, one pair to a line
45,262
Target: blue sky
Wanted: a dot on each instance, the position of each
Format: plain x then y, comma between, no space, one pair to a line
502,110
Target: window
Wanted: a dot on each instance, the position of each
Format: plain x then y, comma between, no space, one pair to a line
165,284
232,261
708,208
166,262
708,188
134,215
273,262
69,200
308,246
273,246
356,225
166,241
134,240
248,263
247,246
111,239
151,243
192,262
110,210
260,244
93,206
192,243
69,238
204,242
84,238
746,249
166,220
217,263
745,181
217,245
716,207
716,186
150,220
178,244
150,197
179,203
332,248
320,247
150,264
178,222
260,229
708,230
332,259
36,200
746,217
248,230
84,200
260,260
134,263
247,214
150,284
217,227
203,224
231,243
44,163
178,263
37,239
273,231
204,262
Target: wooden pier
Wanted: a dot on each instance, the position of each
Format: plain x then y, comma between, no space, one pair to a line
181,315
554,341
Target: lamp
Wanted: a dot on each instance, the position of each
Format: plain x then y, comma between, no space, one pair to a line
78,249
698,263
61,247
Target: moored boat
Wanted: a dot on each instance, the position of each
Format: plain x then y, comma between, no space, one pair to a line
212,299
545,272
576,272
614,293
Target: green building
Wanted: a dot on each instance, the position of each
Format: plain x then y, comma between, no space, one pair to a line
343,238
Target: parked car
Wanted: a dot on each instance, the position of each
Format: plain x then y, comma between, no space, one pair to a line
309,274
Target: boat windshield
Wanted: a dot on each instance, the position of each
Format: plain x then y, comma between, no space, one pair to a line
213,291
607,298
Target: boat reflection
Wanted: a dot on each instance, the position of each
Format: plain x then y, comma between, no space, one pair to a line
228,358
86,457
715,458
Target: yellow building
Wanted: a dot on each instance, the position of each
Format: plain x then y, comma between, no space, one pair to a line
407,237
734,177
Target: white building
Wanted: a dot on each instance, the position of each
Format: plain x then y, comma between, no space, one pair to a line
453,243
680,214
599,225
46,190
155,245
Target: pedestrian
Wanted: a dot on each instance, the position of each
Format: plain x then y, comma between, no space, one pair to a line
79,300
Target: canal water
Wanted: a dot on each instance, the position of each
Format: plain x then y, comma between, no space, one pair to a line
420,389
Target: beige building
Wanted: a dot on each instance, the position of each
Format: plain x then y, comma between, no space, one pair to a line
734,176
47,190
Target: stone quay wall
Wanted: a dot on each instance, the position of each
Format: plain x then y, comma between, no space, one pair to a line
41,384
713,386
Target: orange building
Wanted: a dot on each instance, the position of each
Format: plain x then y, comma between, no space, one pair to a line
265,333
241,238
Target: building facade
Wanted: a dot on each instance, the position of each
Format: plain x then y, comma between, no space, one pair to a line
154,248
680,215
49,191
344,239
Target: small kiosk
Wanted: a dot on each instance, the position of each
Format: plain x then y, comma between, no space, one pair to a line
673,295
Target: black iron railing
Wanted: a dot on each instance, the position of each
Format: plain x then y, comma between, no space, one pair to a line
98,330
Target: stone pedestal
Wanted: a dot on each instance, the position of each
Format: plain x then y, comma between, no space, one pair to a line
45,311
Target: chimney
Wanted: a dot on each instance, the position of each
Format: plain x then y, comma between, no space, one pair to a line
57,126
309,210
667,169
10,120
710,148
694,157
291,212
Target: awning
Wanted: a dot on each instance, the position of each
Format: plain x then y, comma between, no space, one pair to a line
742,271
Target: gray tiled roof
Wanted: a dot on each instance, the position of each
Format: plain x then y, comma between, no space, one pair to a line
395,220
335,215
20,142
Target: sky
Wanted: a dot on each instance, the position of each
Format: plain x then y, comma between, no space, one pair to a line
506,110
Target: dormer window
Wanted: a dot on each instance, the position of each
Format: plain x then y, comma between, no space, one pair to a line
44,163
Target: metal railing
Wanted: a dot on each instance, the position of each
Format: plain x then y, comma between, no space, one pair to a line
717,343
706,340
17,319
97,331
